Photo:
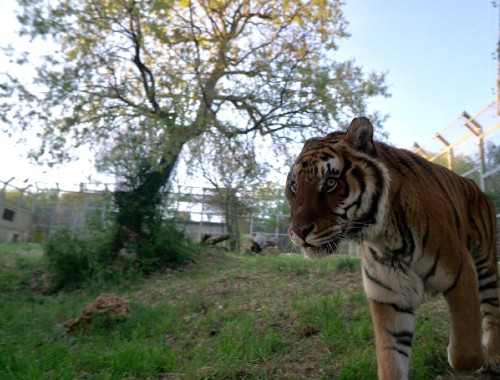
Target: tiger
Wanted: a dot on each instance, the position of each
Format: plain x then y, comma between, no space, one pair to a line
420,229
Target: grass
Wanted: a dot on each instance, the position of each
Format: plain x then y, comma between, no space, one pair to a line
224,317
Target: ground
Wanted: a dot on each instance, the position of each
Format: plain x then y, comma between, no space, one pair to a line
224,316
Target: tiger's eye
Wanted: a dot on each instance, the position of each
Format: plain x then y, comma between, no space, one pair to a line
293,187
330,184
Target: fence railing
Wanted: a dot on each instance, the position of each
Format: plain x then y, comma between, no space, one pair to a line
470,146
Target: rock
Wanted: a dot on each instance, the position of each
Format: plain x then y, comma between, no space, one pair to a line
259,244
271,251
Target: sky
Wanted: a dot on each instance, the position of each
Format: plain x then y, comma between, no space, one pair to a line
439,58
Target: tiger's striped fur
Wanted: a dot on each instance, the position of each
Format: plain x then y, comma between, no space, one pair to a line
420,227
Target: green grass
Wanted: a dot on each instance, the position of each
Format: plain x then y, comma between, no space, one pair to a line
225,317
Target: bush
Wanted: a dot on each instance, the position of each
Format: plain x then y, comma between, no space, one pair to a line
73,260
163,246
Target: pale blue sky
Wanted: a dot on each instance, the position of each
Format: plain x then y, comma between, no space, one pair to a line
439,56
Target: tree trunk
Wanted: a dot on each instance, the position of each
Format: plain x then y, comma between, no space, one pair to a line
137,206
232,222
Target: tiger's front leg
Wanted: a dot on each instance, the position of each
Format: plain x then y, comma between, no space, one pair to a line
394,291
393,328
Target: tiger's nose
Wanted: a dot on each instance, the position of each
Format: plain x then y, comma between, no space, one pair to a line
302,230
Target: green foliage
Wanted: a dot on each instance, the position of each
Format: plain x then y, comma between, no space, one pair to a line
73,260
144,78
164,245
16,260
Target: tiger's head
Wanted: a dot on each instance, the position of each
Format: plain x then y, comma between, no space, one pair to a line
337,189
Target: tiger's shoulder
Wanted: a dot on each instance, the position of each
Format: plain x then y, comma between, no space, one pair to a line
410,166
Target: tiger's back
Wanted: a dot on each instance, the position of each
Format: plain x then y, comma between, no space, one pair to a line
444,212
420,227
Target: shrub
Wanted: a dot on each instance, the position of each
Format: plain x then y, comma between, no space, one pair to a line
74,260
163,246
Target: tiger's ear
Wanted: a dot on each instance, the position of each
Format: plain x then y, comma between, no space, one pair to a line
360,135
308,141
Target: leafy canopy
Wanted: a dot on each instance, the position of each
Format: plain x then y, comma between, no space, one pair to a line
148,76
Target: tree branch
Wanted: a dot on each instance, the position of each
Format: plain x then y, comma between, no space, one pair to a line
148,80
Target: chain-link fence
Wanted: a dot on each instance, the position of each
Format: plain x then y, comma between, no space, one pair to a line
34,215
232,212
30,216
